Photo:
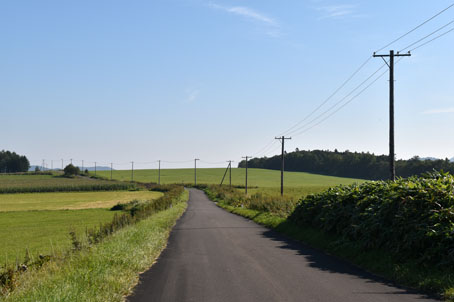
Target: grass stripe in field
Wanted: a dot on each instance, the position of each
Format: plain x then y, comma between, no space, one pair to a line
70,200
256,177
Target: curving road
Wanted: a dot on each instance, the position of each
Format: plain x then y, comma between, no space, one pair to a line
213,255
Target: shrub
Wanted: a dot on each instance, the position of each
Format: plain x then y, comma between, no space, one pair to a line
412,218
71,171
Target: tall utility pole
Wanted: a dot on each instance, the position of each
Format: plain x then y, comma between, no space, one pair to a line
71,161
159,172
282,138
392,155
195,171
111,169
132,171
230,173
246,157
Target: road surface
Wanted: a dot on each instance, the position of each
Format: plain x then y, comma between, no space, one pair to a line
213,255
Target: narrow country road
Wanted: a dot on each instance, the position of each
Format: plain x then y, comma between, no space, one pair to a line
213,255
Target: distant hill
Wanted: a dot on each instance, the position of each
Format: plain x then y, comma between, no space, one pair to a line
350,164
99,168
429,158
41,168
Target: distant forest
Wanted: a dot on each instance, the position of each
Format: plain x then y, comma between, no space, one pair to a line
10,162
348,164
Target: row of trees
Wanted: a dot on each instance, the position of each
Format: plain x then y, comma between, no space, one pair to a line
349,164
10,162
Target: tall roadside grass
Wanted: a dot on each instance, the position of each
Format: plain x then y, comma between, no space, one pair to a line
12,277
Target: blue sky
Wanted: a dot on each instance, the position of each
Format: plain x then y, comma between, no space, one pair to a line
120,81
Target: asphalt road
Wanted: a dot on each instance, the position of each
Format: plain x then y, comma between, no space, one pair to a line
213,255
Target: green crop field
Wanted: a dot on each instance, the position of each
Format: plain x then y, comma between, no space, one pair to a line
36,221
256,177
70,200
44,231
44,183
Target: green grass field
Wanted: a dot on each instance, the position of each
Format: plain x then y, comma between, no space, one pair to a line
70,200
44,231
28,181
36,220
256,177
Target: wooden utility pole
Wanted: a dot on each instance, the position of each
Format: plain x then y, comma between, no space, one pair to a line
159,172
282,139
132,171
230,173
246,157
195,171
392,154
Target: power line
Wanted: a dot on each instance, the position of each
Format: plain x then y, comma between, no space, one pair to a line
439,36
270,146
329,97
409,32
425,37
337,103
346,103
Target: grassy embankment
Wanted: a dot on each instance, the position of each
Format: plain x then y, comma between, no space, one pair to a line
400,231
107,271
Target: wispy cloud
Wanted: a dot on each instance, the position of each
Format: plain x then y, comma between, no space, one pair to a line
191,95
338,11
439,111
253,15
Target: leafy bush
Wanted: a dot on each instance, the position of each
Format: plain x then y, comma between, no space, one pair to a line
71,171
412,218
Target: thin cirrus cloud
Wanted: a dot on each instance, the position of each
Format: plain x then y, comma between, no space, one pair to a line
191,95
439,111
337,11
251,14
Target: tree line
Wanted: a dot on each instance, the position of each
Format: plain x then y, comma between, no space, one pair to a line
10,162
362,165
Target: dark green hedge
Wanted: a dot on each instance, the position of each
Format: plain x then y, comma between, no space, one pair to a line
412,218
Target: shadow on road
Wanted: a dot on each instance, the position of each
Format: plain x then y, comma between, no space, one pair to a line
324,262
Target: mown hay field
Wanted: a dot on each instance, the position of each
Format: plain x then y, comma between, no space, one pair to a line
70,200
